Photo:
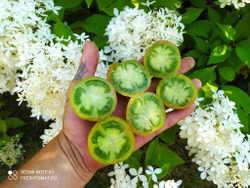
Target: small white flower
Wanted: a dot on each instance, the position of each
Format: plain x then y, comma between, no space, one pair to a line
152,172
137,175
148,3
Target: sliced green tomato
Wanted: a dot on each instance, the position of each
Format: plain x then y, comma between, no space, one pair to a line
111,141
177,91
129,77
145,113
162,59
93,98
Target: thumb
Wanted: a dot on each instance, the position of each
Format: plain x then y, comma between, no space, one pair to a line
88,62
87,65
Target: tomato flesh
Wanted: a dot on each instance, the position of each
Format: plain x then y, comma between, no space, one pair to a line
145,113
111,141
162,59
93,98
177,91
129,77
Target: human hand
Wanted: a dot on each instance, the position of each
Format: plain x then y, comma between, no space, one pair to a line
76,130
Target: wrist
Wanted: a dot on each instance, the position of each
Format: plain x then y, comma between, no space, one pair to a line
75,159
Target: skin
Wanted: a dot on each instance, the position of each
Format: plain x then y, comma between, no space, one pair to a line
67,154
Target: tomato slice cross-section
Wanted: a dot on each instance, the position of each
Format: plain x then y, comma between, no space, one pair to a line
129,77
162,58
145,113
93,98
111,141
177,91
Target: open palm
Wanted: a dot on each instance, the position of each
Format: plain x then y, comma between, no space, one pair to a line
76,129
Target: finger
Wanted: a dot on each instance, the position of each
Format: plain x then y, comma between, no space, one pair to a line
87,65
187,64
197,83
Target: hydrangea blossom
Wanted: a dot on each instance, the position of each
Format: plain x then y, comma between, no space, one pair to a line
122,179
237,3
219,148
133,31
11,152
55,129
18,21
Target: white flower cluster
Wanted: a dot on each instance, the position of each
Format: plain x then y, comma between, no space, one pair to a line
122,179
11,152
237,3
219,148
51,133
19,19
133,31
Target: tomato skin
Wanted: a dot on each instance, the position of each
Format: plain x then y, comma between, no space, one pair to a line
93,98
129,77
145,113
162,58
111,141
177,91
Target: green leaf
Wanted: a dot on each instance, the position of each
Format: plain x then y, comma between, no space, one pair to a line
14,123
100,41
219,54
228,31
133,162
202,60
234,61
176,128
168,136
62,30
71,4
208,92
232,17
218,35
119,4
167,156
165,171
191,15
207,26
238,96
202,28
77,24
199,3
242,50
97,24
201,44
52,16
243,120
152,153
213,15
4,114
104,4
227,73
89,2
203,75
195,29
137,154
3,127
1,104
194,54
61,11
243,27
169,4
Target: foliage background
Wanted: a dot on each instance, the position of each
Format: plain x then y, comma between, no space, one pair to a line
217,38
